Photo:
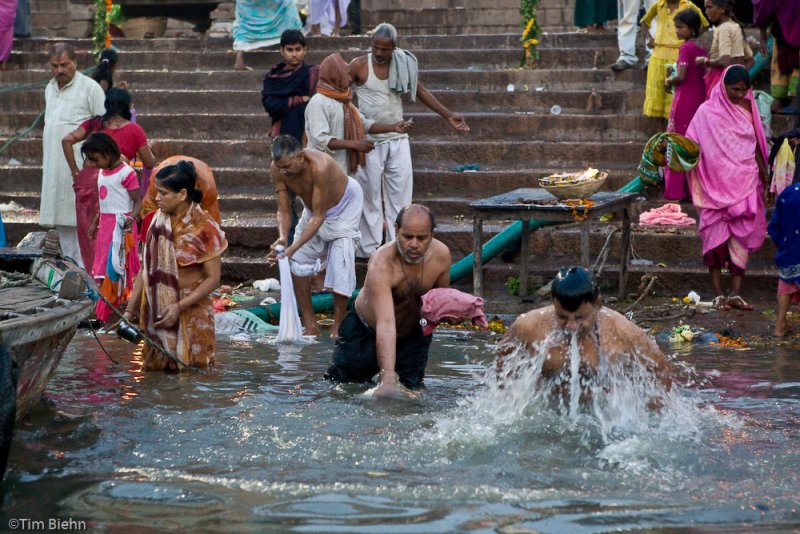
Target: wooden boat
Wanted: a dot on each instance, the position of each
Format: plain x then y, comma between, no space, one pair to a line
43,298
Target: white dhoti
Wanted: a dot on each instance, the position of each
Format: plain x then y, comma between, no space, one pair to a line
387,180
333,247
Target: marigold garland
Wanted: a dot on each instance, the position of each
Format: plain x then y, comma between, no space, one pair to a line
102,26
531,33
576,204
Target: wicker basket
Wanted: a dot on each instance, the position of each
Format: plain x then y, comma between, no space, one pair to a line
141,27
580,189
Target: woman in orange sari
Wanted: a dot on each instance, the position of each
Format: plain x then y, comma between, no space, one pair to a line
181,267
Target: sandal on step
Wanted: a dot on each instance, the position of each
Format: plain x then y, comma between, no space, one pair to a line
735,301
720,302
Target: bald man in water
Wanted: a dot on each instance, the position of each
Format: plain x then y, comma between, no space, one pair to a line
382,334
577,309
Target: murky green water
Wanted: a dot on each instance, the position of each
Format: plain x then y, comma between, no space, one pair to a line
264,444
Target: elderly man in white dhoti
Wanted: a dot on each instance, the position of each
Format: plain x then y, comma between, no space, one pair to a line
70,98
381,78
326,236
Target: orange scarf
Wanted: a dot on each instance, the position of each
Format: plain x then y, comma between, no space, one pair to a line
334,82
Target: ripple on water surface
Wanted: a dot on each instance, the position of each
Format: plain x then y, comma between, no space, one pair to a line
262,443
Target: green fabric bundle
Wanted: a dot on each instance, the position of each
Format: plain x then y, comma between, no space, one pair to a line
681,154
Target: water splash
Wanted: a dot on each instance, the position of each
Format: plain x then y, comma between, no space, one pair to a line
621,416
574,376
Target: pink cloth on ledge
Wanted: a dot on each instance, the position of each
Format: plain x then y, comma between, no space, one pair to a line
666,215
447,303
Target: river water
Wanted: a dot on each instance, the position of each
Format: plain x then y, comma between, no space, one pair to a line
263,444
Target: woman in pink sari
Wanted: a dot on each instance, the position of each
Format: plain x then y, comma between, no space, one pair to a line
8,12
728,185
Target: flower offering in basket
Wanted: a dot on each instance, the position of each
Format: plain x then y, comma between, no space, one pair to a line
574,185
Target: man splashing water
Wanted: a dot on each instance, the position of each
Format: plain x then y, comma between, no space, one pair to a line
577,342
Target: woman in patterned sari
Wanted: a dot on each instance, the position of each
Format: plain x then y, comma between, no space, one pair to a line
181,267
728,185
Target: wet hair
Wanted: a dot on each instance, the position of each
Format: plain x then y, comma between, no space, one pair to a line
285,146
108,59
181,176
292,37
413,208
573,286
101,143
384,30
691,19
118,104
62,48
736,74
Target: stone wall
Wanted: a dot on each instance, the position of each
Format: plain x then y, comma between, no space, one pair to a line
61,18
222,20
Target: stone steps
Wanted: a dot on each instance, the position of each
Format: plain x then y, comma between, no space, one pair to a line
409,5
24,181
492,128
191,101
674,281
255,153
262,60
454,20
317,44
477,100
555,79
551,248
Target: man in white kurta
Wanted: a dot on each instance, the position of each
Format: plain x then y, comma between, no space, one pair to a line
325,123
70,98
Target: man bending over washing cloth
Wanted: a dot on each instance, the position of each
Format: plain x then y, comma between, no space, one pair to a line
326,234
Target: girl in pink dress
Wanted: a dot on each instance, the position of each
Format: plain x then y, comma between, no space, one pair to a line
116,255
690,91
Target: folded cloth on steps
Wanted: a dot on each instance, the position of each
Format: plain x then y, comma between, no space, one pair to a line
447,303
666,215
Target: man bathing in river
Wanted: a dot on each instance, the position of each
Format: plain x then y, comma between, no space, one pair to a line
577,309
382,334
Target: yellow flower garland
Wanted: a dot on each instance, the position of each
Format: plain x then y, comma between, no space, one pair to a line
531,33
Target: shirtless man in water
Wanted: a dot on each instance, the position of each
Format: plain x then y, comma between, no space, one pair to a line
382,334
578,308
327,230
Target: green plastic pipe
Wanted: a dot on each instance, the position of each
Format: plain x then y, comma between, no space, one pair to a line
323,302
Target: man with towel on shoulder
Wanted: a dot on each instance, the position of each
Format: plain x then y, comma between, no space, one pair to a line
326,234
334,125
381,77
